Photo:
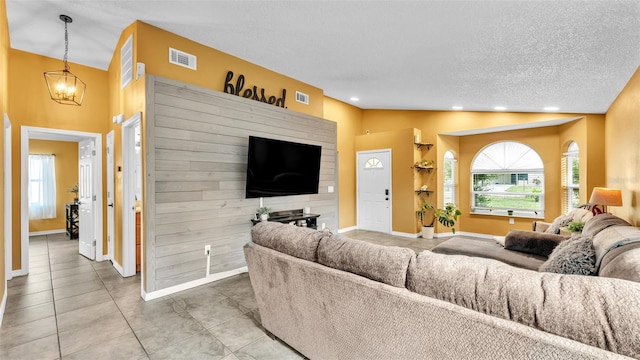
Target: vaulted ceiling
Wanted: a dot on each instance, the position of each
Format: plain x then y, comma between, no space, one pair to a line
573,55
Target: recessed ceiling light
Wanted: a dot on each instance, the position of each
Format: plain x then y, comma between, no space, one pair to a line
551,108
500,108
353,98
457,107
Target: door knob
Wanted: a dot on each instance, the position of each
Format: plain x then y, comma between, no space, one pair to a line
387,199
111,205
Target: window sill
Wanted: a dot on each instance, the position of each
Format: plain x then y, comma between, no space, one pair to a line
502,213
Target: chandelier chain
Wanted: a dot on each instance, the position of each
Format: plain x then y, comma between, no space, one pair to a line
66,46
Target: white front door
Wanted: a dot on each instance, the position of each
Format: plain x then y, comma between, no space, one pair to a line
86,243
374,190
110,195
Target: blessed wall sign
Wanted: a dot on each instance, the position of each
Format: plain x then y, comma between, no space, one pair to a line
252,92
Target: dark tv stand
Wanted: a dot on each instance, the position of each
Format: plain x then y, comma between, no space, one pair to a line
295,217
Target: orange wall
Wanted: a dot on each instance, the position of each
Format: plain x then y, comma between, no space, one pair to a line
66,163
4,55
29,104
402,157
213,65
548,141
349,122
622,149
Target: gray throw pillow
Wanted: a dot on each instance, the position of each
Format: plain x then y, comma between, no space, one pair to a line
560,221
573,256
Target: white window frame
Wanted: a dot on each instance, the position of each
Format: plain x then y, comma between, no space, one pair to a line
504,170
571,156
450,185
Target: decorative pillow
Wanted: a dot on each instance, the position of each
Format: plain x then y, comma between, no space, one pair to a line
560,221
573,256
531,242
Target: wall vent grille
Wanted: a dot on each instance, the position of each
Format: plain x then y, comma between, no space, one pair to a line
182,58
126,62
302,98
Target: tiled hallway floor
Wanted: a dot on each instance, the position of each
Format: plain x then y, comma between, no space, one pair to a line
71,308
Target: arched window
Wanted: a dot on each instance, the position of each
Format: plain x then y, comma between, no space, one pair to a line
450,184
570,178
507,175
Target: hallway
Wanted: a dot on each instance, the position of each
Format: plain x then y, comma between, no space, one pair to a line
69,307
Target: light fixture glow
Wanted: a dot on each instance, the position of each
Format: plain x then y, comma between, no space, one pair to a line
457,107
500,108
64,87
353,98
551,108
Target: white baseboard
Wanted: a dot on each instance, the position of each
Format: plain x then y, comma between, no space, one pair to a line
191,284
118,268
483,236
3,305
19,272
403,234
47,232
351,228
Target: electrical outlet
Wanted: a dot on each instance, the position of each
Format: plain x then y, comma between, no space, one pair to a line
511,221
207,249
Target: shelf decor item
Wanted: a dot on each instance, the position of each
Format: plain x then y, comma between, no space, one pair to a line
75,190
264,213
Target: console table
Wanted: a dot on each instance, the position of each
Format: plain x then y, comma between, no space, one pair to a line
72,220
294,217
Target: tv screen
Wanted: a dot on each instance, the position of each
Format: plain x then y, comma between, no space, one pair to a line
279,168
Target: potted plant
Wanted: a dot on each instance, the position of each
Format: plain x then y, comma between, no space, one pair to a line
264,213
446,216
75,191
424,164
575,226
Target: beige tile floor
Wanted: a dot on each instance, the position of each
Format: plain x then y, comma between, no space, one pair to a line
69,307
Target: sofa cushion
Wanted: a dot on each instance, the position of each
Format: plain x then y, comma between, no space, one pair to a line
560,221
486,248
573,256
292,240
532,242
601,312
613,237
387,264
601,222
622,263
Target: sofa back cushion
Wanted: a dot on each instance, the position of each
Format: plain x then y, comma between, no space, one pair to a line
292,240
601,222
387,264
622,263
601,312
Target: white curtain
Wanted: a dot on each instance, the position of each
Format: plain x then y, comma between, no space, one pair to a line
42,187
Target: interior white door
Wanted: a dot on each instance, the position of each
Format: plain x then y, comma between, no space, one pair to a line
86,243
374,190
110,194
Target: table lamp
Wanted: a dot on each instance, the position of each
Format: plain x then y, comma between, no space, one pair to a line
605,197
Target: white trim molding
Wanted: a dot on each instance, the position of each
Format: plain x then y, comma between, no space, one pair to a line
191,284
47,232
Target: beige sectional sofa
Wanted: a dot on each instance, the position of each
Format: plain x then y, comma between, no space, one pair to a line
331,297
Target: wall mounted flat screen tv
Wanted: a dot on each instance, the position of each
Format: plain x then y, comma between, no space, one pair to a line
280,168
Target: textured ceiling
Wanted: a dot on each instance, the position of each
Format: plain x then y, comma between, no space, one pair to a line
523,55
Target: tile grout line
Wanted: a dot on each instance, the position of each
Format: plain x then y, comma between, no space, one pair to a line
121,313
53,298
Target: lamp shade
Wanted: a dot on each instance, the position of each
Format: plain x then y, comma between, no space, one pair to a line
606,196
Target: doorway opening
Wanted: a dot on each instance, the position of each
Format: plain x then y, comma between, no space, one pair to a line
94,180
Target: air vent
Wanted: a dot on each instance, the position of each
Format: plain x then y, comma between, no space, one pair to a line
182,58
126,62
302,98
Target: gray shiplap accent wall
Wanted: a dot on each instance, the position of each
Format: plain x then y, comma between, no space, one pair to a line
196,155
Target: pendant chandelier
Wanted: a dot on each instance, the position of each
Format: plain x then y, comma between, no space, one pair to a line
64,87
